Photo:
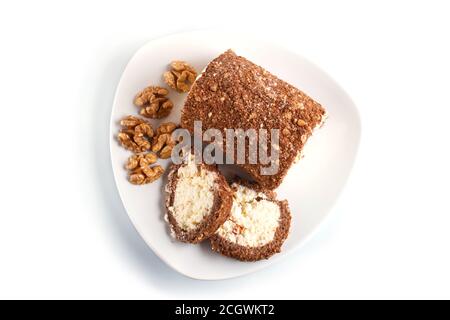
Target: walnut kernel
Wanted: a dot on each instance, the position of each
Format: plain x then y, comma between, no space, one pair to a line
153,102
140,169
163,142
135,134
166,127
181,76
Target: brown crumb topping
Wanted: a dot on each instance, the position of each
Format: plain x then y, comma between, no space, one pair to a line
236,93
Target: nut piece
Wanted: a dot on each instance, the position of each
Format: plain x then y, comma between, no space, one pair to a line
180,77
163,142
166,127
153,102
153,173
304,138
286,132
140,170
135,134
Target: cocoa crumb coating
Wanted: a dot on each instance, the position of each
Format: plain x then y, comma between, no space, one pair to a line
235,93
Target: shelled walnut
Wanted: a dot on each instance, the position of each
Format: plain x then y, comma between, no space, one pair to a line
141,170
136,134
163,142
154,102
181,76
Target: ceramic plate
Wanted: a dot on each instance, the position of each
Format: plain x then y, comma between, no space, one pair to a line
311,186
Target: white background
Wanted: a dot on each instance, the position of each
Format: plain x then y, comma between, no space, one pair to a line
63,230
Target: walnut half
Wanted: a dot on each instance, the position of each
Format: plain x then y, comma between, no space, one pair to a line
163,142
140,169
135,134
154,102
181,76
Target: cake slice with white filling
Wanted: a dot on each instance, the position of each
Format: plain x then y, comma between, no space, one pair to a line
257,227
198,201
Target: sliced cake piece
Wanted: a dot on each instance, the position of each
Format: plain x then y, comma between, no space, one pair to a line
257,226
235,93
198,201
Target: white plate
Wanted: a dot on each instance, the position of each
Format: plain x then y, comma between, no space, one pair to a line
311,186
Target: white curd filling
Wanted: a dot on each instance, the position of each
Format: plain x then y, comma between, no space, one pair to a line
252,223
194,196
